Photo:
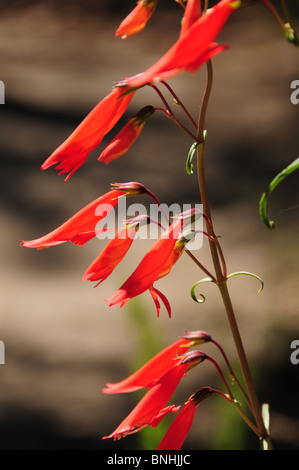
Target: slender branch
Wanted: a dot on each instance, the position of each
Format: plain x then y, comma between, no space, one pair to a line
170,114
179,102
231,372
200,265
221,280
275,14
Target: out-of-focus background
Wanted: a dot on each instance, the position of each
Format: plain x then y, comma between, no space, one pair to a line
62,341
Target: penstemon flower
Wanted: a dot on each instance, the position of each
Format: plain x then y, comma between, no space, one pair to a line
156,264
137,19
151,408
80,228
192,13
127,136
114,252
179,429
153,370
70,155
195,47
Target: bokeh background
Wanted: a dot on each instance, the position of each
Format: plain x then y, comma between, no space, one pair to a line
63,343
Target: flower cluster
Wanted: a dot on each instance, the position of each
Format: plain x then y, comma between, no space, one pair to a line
195,46
161,376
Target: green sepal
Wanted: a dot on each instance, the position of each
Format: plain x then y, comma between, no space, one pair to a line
275,182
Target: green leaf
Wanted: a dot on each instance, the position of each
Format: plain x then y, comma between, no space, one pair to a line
278,179
189,165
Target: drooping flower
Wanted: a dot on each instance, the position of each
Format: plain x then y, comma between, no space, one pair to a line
151,408
137,19
70,155
153,370
156,264
127,136
179,429
192,49
114,252
80,228
192,13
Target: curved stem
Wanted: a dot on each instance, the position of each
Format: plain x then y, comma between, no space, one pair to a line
221,278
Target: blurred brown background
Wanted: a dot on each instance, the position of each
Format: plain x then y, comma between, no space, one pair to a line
63,343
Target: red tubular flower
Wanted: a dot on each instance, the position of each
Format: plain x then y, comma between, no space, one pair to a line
89,134
157,263
137,19
192,13
111,256
80,228
179,429
127,136
152,405
153,370
192,49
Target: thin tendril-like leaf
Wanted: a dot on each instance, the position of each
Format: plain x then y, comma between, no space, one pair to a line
264,199
248,274
192,292
189,165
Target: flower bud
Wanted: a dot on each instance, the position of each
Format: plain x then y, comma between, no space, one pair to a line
194,358
129,189
197,337
123,141
137,19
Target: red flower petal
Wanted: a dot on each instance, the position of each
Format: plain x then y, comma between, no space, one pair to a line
80,228
89,134
153,402
192,13
152,371
192,49
179,429
137,19
111,256
156,263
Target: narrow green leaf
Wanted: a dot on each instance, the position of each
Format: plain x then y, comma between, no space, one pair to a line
278,179
192,151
